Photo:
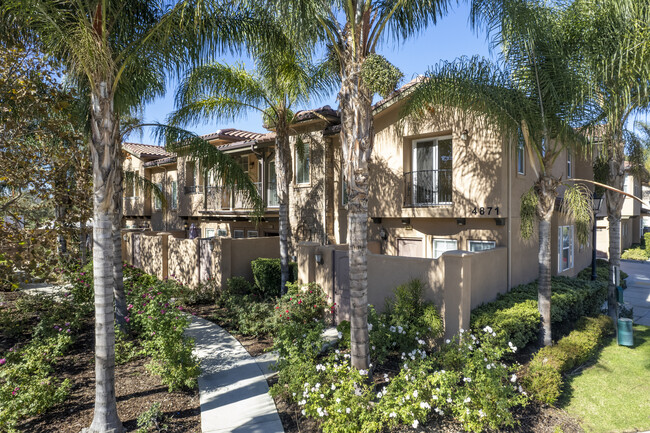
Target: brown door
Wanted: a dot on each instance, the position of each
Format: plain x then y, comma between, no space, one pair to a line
341,286
410,248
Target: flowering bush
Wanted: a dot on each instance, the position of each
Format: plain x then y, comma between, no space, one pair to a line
27,387
301,304
465,379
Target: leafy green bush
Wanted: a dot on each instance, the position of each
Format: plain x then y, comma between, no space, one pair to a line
267,276
301,304
602,273
646,240
542,377
515,317
635,254
27,386
238,286
152,419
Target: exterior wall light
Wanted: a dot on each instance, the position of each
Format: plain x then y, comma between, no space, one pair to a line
319,258
383,234
464,135
461,221
406,221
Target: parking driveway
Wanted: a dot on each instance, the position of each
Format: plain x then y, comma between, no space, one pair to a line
638,289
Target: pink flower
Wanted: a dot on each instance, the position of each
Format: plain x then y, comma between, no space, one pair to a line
2,361
128,319
129,306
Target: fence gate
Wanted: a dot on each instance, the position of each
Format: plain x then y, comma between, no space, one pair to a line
341,286
205,259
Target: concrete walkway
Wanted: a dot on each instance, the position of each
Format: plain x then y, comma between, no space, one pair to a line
637,293
233,391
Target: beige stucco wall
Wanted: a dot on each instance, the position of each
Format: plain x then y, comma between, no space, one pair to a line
136,204
183,260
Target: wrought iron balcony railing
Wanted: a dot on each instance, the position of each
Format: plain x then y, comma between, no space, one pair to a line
194,189
427,188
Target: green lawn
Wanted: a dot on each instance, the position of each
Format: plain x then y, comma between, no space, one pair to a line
613,395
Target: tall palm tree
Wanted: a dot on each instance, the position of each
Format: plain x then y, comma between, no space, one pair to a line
281,80
118,51
532,94
352,42
613,37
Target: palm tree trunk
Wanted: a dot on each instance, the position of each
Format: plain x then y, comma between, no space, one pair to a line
105,157
357,141
118,274
615,178
546,189
283,173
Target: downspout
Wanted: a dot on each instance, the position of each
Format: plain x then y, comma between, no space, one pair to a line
324,191
509,224
166,209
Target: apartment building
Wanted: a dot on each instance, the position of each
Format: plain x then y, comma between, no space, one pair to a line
450,182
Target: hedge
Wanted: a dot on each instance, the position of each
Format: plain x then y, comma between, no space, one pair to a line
515,317
267,276
542,377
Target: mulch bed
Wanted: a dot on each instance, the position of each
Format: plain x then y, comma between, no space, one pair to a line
135,389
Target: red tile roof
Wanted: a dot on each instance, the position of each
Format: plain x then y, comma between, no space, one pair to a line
232,134
146,150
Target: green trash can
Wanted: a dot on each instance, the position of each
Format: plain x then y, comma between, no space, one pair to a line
619,294
625,332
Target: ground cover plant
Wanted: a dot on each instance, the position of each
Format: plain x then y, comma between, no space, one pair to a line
41,330
613,392
635,253
416,376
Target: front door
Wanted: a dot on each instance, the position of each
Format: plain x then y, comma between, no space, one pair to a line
205,260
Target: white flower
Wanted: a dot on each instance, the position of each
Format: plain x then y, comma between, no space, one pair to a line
347,410
333,387
303,412
467,400
320,367
487,329
373,347
340,335
461,330
467,379
363,372
317,385
338,400
424,405
391,329
513,347
415,424
399,329
392,415
369,326
415,394
449,400
447,341
302,402
489,366
481,413
513,378
322,396
380,395
434,397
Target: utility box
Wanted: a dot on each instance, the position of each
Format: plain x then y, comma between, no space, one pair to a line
625,332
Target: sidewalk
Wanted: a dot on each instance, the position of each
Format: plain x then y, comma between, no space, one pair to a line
232,387
637,293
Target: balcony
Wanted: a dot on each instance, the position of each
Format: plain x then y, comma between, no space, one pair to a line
194,189
427,188
224,198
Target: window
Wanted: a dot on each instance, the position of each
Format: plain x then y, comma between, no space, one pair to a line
272,186
521,155
302,163
157,202
252,234
569,164
626,184
442,245
209,233
129,187
244,163
344,190
238,234
476,246
431,176
222,232
565,248
174,194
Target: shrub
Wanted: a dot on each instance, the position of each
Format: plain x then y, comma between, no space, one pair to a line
238,286
635,254
153,418
646,239
602,273
26,384
301,304
515,317
542,376
267,276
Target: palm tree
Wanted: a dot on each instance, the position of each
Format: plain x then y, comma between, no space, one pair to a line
532,95
118,51
352,44
613,36
225,92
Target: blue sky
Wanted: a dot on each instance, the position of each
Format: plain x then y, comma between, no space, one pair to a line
452,37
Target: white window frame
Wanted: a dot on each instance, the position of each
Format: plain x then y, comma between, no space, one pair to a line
561,247
252,234
209,233
520,154
447,240
238,234
344,190
222,233
569,164
157,202
415,168
471,242
269,189
306,162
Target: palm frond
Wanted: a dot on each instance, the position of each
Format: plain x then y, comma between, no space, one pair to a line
576,203
133,180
